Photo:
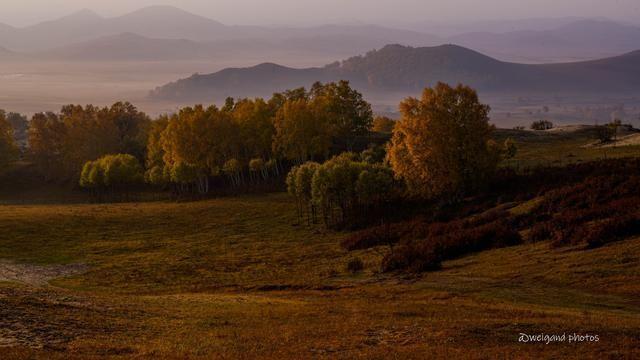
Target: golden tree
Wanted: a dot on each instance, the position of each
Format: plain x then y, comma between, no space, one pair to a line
383,124
8,148
442,145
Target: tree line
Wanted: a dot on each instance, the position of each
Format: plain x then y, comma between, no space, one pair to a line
441,149
241,143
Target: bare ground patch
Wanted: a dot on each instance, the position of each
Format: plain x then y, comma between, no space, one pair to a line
37,275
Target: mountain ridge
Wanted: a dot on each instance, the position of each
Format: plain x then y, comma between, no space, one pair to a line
397,68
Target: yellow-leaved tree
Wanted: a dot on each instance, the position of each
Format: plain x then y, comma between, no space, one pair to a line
442,145
8,149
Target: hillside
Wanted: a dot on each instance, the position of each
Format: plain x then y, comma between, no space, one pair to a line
166,22
529,41
129,46
397,68
234,278
583,39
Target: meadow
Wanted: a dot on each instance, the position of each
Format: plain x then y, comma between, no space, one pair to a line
244,277
234,278
240,278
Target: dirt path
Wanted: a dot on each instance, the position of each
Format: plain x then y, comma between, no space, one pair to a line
37,275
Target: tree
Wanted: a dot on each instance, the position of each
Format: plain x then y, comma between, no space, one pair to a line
8,149
156,173
344,109
80,134
542,125
442,145
257,167
20,127
202,140
374,154
233,169
300,133
47,136
117,173
253,118
383,124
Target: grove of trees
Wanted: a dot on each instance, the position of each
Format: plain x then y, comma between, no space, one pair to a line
244,142
60,144
111,174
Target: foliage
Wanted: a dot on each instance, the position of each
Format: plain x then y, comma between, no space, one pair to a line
60,144
541,125
301,135
309,125
114,172
341,188
374,154
8,150
383,124
442,145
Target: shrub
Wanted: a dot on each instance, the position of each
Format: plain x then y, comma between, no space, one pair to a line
444,241
414,258
376,236
614,229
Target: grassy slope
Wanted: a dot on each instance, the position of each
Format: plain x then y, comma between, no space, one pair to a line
234,278
557,148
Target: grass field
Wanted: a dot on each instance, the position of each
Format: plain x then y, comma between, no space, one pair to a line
236,278
560,147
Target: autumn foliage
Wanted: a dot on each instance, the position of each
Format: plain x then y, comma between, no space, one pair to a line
442,144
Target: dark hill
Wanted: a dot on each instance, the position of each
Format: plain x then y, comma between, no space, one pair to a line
397,68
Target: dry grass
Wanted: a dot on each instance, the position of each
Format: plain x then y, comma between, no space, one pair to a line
234,278
557,147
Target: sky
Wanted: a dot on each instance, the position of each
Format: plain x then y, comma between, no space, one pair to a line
298,12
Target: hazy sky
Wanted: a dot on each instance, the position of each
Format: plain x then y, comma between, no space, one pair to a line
23,12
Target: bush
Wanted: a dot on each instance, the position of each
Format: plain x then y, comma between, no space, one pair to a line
612,230
414,258
388,234
355,265
444,241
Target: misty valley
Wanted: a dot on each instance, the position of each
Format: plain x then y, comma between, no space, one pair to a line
424,187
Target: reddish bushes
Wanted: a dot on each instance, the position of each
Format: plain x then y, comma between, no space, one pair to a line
448,241
593,203
614,229
412,257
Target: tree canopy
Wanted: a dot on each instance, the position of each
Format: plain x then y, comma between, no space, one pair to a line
442,144
8,150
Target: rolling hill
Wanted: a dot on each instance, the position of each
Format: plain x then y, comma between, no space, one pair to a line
582,39
403,69
530,41
166,22
129,46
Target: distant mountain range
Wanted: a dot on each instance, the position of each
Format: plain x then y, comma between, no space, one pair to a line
402,69
581,39
142,34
